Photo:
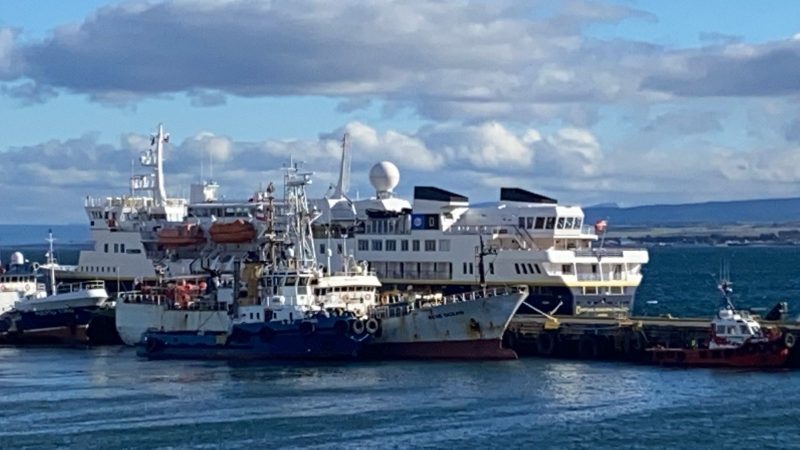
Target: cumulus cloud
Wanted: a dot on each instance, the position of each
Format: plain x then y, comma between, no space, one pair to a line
490,60
737,70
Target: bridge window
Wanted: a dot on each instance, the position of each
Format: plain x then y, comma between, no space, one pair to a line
560,223
521,222
391,245
363,245
491,268
529,223
377,245
415,245
539,223
569,222
430,245
404,245
444,245
566,269
551,223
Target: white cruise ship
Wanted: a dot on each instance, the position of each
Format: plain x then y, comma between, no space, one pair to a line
116,225
435,242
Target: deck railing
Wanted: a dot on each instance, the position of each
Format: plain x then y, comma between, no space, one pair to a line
82,286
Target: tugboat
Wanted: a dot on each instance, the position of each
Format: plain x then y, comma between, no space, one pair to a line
736,339
282,312
61,316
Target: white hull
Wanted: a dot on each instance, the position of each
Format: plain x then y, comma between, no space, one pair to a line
78,299
133,319
484,319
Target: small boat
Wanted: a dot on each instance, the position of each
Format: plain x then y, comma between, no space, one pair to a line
736,339
236,232
61,316
182,235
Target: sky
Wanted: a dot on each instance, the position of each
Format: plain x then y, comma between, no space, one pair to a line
632,102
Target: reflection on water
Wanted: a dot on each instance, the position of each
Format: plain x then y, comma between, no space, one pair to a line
109,398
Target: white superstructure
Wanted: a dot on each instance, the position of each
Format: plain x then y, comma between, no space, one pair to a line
434,243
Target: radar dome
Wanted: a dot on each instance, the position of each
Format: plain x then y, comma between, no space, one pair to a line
17,259
384,176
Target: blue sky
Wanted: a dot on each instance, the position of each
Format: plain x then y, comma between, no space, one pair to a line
634,102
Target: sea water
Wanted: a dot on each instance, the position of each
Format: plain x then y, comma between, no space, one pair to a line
108,398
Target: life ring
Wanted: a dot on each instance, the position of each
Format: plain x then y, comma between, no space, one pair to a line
372,326
545,344
35,266
358,327
27,286
789,340
345,297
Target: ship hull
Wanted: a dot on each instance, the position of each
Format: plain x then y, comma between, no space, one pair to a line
134,319
61,327
771,354
322,339
471,329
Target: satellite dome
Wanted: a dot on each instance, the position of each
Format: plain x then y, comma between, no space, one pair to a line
384,176
17,259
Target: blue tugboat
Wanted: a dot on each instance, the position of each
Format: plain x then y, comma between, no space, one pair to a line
279,310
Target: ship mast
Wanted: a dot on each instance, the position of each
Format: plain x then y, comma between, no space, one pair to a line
482,251
160,194
51,262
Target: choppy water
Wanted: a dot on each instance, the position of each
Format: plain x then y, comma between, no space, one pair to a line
107,398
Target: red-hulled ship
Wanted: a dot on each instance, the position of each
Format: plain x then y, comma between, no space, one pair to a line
236,232
736,339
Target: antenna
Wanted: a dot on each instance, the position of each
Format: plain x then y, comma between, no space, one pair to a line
344,171
210,165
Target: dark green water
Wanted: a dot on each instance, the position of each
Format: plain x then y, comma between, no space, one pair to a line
107,398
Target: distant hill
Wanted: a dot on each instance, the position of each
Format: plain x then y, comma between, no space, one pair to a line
780,210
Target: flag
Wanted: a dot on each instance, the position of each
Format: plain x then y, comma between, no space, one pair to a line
600,226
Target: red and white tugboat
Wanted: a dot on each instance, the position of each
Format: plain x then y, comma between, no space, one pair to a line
736,339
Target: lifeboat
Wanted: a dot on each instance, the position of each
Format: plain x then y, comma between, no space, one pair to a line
236,232
181,236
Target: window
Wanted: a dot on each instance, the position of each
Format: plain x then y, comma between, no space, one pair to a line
560,223
415,245
529,223
569,222
577,224
105,248
377,245
116,248
464,268
524,269
471,268
516,268
391,245
430,245
404,245
539,223
322,249
122,248
521,222
339,249
363,245
551,223
444,245
566,269
720,329
538,270
491,268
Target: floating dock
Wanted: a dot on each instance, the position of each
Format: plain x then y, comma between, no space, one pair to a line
607,338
